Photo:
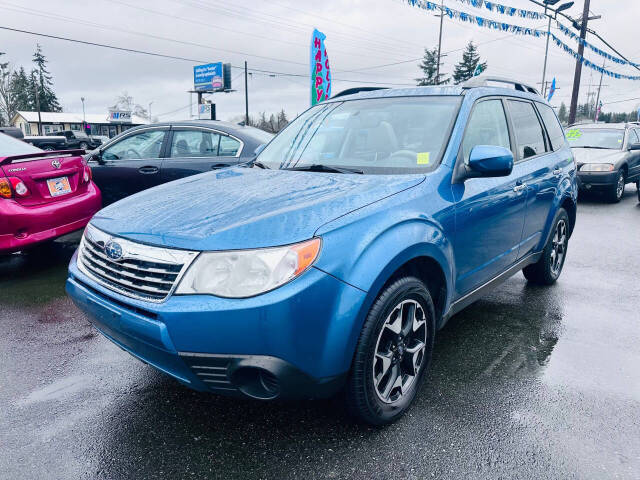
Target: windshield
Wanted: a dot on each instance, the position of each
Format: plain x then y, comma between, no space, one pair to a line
12,146
595,138
383,135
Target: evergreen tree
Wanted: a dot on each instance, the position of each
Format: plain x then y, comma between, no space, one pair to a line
282,120
429,67
467,67
23,94
43,81
562,113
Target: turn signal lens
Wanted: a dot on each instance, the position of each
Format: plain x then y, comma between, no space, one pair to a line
5,188
307,253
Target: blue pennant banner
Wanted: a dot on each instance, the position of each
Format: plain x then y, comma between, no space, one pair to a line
476,20
588,63
518,30
504,9
593,48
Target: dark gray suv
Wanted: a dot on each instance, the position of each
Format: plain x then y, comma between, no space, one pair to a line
607,156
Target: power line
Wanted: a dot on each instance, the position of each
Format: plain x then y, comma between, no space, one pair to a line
192,60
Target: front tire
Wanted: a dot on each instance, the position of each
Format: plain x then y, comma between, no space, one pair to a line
393,353
616,191
547,270
84,146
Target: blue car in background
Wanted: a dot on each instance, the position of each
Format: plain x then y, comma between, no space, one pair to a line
330,262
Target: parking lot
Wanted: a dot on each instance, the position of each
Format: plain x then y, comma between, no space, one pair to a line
529,382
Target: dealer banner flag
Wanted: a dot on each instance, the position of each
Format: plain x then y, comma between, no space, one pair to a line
320,70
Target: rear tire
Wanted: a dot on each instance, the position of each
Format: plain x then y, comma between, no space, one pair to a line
547,270
393,353
616,191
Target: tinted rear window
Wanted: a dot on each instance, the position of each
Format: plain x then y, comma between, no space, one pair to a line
556,134
527,129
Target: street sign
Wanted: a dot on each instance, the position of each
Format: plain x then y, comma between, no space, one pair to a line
207,111
208,78
119,116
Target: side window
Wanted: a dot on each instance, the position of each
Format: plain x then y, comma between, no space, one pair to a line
634,137
556,134
487,126
228,146
194,143
527,129
145,144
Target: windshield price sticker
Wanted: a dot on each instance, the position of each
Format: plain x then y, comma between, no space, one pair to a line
423,158
573,134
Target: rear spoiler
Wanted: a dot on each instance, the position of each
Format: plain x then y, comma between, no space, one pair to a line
40,155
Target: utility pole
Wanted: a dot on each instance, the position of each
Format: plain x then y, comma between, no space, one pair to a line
578,71
84,121
595,116
38,107
440,42
546,55
246,96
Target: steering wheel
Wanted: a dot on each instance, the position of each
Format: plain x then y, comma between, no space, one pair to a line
407,154
132,153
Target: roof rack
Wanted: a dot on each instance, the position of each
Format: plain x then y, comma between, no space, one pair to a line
485,80
351,91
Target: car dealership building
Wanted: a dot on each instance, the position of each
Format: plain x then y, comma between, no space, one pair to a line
109,124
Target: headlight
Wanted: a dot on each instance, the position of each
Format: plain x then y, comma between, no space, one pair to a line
245,273
596,167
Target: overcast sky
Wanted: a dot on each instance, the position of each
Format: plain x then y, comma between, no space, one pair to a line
274,35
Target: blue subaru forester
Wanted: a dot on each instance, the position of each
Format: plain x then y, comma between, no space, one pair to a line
329,263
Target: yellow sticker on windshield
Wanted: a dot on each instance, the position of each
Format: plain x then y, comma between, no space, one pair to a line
573,134
423,158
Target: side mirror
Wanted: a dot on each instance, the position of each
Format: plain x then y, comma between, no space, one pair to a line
96,156
490,161
634,146
259,149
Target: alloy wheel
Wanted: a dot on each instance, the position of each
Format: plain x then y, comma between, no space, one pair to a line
400,350
558,247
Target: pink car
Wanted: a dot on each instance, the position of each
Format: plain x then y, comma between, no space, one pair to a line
43,195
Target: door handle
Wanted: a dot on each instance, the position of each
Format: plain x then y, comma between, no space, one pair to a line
557,171
148,170
215,166
519,188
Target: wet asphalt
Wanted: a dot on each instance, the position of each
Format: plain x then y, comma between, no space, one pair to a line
529,382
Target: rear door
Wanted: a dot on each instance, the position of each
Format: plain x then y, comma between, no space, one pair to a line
634,156
193,150
539,166
490,212
131,164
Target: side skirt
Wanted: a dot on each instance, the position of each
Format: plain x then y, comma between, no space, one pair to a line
474,295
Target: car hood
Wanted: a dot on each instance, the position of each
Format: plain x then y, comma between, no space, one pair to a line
596,155
244,207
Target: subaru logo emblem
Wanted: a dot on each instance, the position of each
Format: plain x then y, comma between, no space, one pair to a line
55,164
113,250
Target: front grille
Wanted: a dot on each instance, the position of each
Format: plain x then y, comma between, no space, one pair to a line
212,370
144,272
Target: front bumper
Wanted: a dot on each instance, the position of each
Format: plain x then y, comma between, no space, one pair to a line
596,180
22,226
295,341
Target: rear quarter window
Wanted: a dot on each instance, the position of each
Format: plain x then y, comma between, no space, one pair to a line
556,134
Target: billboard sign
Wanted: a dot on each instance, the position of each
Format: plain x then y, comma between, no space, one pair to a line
207,77
119,116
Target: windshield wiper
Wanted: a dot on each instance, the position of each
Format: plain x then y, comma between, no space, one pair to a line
318,167
594,146
259,164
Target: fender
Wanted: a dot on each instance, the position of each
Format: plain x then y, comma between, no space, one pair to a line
369,261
